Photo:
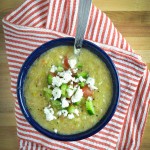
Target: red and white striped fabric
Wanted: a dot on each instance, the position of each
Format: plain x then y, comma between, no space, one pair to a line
38,21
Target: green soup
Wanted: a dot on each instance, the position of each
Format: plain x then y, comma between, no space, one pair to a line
36,80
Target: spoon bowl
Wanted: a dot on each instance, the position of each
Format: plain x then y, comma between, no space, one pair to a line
83,15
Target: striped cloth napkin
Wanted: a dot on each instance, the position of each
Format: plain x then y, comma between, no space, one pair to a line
38,21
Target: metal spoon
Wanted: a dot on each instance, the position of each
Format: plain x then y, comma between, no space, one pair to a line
83,14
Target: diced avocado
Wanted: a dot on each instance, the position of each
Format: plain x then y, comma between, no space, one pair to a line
64,90
49,79
47,93
60,69
56,104
79,66
81,84
83,74
90,107
71,109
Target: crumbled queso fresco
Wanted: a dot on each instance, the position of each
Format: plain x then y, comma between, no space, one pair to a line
67,86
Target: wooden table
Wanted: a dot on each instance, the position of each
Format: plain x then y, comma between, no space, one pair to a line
131,17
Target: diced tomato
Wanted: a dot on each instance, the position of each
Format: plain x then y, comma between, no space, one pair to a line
87,92
66,64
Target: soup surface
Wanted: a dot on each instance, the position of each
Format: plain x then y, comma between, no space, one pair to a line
39,103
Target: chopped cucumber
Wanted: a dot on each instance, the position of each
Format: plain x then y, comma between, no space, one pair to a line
64,90
71,109
47,93
81,84
90,107
79,66
83,74
56,104
60,69
49,79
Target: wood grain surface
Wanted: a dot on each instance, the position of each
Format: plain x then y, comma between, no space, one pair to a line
132,19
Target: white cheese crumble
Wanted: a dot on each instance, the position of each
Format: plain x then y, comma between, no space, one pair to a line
65,103
49,112
59,113
62,112
55,130
72,62
77,96
56,93
49,86
92,87
56,81
81,79
91,81
70,92
74,70
66,76
89,98
53,69
76,80
70,116
76,111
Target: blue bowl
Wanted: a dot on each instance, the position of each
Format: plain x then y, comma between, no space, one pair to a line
62,42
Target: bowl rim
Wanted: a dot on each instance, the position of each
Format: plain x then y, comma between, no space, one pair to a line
28,63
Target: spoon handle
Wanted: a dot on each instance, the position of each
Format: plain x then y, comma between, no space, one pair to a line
83,14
